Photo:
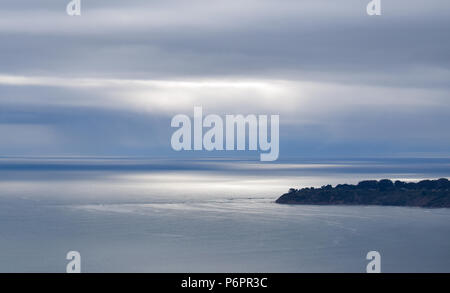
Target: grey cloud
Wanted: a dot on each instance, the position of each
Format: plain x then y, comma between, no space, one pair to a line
350,82
299,39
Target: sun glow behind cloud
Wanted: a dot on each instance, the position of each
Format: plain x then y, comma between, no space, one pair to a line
109,81
222,95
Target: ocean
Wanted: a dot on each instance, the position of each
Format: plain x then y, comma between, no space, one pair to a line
210,215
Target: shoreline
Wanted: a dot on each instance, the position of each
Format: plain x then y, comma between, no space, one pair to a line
425,194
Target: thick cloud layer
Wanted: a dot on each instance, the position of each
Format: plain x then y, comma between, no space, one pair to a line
109,81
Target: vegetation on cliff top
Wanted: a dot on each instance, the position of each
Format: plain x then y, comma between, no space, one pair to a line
426,193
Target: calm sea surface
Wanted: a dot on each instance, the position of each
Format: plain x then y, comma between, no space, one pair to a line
130,215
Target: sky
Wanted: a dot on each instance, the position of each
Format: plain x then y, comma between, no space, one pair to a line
108,82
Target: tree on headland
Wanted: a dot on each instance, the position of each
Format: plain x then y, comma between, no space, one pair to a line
425,193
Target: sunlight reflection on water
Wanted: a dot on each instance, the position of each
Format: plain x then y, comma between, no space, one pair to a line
193,220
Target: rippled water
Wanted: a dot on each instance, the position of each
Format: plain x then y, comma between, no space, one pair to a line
211,216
